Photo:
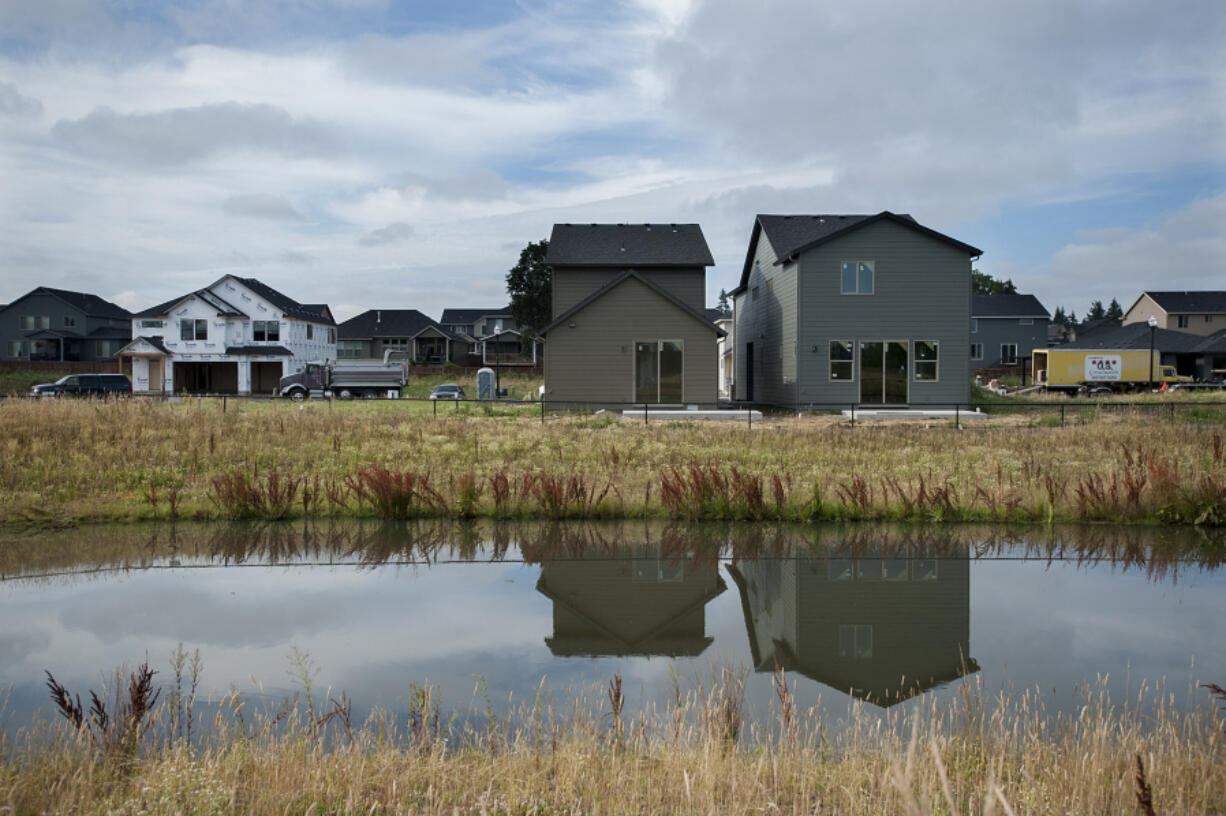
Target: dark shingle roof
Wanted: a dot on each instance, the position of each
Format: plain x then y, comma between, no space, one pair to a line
714,314
288,305
467,317
789,235
223,307
91,305
1136,336
388,323
1007,306
277,351
1210,302
628,245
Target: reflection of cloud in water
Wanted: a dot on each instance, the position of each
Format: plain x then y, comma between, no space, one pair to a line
16,647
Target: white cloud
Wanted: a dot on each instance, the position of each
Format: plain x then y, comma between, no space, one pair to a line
391,234
261,205
14,103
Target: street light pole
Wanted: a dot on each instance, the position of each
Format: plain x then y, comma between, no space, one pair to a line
1153,324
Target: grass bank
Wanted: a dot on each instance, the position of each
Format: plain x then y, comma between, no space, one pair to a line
584,751
68,462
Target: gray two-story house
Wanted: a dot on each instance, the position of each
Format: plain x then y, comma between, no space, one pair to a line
853,309
61,325
1006,329
629,322
376,331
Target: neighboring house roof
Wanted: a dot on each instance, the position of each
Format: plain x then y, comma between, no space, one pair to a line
274,351
1206,302
716,314
92,305
466,317
618,281
389,323
1007,306
790,235
1096,326
628,245
1136,336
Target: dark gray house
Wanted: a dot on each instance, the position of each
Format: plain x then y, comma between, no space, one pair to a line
60,325
1005,329
629,322
491,336
853,309
374,332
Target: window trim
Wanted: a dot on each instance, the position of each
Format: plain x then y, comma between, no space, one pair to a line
1004,346
658,341
977,347
916,361
872,268
830,361
197,324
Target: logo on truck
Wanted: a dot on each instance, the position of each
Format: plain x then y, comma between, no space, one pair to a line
1104,367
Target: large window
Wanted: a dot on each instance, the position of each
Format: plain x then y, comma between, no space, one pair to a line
1008,353
842,360
18,349
926,359
857,277
262,330
193,329
658,370
32,322
349,349
856,641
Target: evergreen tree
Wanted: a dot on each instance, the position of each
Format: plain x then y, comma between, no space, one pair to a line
530,285
1071,320
1059,317
1115,311
1097,312
723,305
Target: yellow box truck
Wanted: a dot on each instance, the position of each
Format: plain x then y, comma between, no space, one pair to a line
1100,370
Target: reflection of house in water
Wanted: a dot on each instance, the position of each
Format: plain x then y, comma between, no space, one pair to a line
881,629
631,602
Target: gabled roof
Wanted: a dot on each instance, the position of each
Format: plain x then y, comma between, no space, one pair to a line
1008,306
91,305
156,342
467,317
618,281
223,308
790,235
628,245
315,313
1206,302
388,323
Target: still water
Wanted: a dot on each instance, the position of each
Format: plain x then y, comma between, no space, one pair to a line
876,614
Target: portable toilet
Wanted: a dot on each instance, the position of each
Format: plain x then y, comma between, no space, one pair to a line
485,384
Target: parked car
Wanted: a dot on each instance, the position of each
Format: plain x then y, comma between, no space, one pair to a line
85,385
449,391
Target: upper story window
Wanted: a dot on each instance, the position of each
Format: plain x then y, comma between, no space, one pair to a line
310,332
1025,321
1208,318
31,322
331,335
974,325
1185,321
69,322
151,324
266,330
190,329
857,277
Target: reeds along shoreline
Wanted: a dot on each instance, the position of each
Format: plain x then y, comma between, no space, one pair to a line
584,750
74,462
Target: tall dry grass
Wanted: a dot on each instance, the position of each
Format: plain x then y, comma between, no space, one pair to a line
584,751
67,462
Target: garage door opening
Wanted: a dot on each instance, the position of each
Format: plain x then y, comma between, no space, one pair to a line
206,378
266,378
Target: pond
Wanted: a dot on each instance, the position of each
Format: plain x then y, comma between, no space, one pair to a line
491,614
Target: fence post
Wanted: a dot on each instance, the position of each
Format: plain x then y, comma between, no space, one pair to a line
957,416
749,413
435,402
644,414
542,410
223,403
1062,416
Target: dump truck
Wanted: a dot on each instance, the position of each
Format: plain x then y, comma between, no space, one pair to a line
1100,371
346,379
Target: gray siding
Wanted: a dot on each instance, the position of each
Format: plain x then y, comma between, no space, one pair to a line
769,321
922,291
571,285
994,331
80,347
593,363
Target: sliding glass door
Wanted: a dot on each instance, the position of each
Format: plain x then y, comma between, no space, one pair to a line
883,372
658,370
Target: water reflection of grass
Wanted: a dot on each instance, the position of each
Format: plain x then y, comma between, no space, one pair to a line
1160,552
69,462
577,751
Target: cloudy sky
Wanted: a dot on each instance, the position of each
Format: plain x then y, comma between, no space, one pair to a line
370,153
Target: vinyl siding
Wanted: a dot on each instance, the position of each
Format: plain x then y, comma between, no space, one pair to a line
994,331
922,291
571,285
770,324
593,363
